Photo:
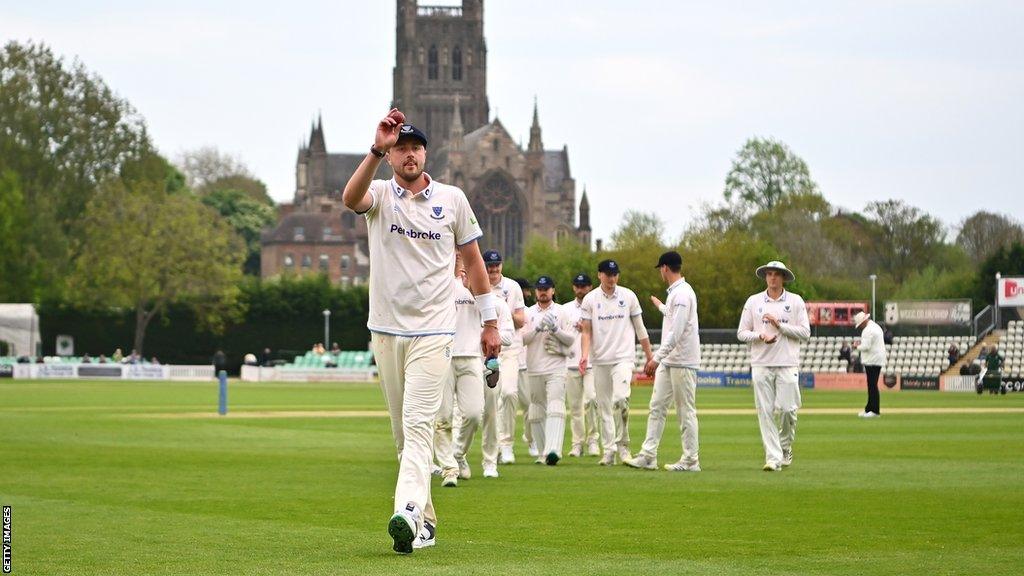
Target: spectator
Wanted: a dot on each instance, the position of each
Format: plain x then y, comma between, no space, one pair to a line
117,357
983,354
154,361
103,359
250,359
887,336
266,357
335,349
134,358
858,368
86,359
844,354
953,353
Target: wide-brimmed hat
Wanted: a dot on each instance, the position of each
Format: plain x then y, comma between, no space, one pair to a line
787,274
860,318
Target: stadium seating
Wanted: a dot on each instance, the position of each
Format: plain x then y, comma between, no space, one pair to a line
1011,346
907,355
346,360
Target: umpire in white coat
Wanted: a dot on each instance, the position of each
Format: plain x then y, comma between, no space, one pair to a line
872,356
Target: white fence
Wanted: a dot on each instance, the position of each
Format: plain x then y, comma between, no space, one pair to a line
958,383
281,374
108,371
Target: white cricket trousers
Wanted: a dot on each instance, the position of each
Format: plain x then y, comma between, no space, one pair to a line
412,373
776,392
673,386
612,385
512,395
582,399
546,415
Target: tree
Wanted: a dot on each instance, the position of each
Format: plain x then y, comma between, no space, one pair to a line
637,229
16,274
1006,260
764,172
62,131
248,218
982,233
907,239
209,170
144,249
720,267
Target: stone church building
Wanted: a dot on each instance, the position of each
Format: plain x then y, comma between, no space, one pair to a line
440,82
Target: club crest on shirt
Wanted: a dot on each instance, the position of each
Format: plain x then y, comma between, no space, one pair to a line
437,215
622,303
786,307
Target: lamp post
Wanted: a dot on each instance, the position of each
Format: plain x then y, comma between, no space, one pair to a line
327,329
873,277
995,303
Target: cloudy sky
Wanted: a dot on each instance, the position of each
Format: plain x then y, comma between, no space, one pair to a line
913,99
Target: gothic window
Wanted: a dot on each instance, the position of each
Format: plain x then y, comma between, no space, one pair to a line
307,261
500,211
457,63
432,63
495,144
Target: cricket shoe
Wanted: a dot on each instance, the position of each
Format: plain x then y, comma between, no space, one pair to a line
642,461
771,467
552,458
402,528
426,537
787,458
450,478
490,471
683,466
506,456
435,470
576,451
607,460
623,454
534,453
867,415
592,449
539,460
464,472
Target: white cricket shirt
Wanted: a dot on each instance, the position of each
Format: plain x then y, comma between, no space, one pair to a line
613,338
793,329
872,345
680,336
412,242
571,315
538,359
468,324
511,292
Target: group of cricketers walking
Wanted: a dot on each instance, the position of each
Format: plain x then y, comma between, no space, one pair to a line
459,353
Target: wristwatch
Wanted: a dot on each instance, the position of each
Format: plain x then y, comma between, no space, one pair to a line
375,152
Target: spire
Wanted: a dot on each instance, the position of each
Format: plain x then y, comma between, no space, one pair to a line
536,145
316,137
456,131
584,211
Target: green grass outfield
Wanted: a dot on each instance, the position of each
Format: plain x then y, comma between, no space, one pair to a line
126,478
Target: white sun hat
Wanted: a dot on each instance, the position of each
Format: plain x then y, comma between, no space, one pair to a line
787,274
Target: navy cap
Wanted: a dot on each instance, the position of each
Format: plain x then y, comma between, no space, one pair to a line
608,266
410,131
582,280
492,257
669,259
544,282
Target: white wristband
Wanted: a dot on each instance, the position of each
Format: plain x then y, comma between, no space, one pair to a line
485,305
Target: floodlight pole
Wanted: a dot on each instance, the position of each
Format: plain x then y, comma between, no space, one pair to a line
995,303
327,329
873,277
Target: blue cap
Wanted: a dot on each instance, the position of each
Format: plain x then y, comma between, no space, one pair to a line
410,131
544,282
582,280
492,257
608,267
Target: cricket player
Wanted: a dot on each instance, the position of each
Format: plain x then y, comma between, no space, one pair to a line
477,403
546,342
611,323
775,323
414,225
674,368
508,383
579,386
